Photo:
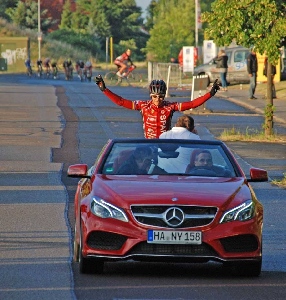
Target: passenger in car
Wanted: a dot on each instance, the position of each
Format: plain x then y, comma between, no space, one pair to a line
184,129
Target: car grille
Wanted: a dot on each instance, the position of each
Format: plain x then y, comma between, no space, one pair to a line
240,243
155,215
144,248
105,240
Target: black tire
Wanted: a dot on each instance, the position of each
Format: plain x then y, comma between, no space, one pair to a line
245,268
131,77
111,76
75,248
89,265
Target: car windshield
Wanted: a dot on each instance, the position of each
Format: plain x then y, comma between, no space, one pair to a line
164,158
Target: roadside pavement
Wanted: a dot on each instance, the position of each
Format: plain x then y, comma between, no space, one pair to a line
239,95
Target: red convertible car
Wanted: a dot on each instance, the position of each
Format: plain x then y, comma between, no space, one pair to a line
167,201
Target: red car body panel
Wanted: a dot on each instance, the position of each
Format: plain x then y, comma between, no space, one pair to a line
127,192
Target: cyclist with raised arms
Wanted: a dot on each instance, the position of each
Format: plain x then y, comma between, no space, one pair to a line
157,113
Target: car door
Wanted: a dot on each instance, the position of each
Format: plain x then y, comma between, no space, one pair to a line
240,65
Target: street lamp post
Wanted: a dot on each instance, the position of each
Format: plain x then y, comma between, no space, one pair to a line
39,28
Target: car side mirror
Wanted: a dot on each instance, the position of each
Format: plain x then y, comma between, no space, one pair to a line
257,175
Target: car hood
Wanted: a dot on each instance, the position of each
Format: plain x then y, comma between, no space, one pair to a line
127,190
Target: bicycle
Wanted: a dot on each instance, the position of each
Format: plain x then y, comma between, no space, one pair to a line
68,73
87,74
47,72
81,75
40,71
128,75
29,71
55,72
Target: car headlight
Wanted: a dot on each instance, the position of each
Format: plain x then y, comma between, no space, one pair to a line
243,212
103,209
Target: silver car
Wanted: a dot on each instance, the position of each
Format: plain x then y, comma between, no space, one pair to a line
237,66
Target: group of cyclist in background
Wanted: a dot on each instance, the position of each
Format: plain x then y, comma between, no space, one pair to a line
49,67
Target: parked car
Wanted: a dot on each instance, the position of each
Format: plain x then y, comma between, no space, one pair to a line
237,66
167,201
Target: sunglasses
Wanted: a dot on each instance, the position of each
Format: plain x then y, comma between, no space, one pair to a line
158,96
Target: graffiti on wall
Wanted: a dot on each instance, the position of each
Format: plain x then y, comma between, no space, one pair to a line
13,55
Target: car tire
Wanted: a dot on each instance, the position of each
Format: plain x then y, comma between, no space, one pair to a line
246,268
89,265
75,248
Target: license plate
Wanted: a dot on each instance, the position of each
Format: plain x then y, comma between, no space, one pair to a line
174,237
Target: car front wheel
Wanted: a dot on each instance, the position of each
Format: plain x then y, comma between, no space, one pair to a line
246,268
89,265
75,248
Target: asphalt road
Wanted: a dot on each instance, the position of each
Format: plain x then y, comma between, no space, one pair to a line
48,125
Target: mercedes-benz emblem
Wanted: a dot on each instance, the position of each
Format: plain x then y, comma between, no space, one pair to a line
174,216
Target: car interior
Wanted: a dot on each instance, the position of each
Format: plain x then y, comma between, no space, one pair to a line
173,159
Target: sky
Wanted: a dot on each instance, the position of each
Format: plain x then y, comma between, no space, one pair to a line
143,4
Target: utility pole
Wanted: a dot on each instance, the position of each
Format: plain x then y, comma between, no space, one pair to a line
39,29
196,22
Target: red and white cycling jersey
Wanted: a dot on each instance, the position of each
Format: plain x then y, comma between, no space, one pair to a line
123,58
156,119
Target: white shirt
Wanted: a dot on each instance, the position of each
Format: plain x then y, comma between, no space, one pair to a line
179,133
179,164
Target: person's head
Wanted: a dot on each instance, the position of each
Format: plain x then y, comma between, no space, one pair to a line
157,89
203,159
128,52
142,156
221,52
253,50
186,122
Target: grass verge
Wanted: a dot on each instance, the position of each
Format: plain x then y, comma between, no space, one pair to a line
250,135
280,183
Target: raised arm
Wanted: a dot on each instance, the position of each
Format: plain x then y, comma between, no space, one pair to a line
200,100
118,100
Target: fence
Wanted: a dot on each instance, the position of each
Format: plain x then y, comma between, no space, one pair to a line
171,73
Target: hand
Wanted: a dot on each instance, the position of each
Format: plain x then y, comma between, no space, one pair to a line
100,83
214,88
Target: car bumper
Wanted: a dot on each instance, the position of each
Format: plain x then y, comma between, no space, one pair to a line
115,240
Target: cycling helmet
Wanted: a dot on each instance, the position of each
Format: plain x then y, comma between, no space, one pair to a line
157,87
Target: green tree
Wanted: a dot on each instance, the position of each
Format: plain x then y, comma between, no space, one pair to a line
25,14
17,14
5,4
66,18
259,23
174,27
81,16
120,19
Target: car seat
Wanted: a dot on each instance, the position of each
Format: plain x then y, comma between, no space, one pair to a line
121,158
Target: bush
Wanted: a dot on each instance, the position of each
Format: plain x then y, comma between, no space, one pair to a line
82,42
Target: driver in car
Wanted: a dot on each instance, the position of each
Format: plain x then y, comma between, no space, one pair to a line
203,166
204,159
